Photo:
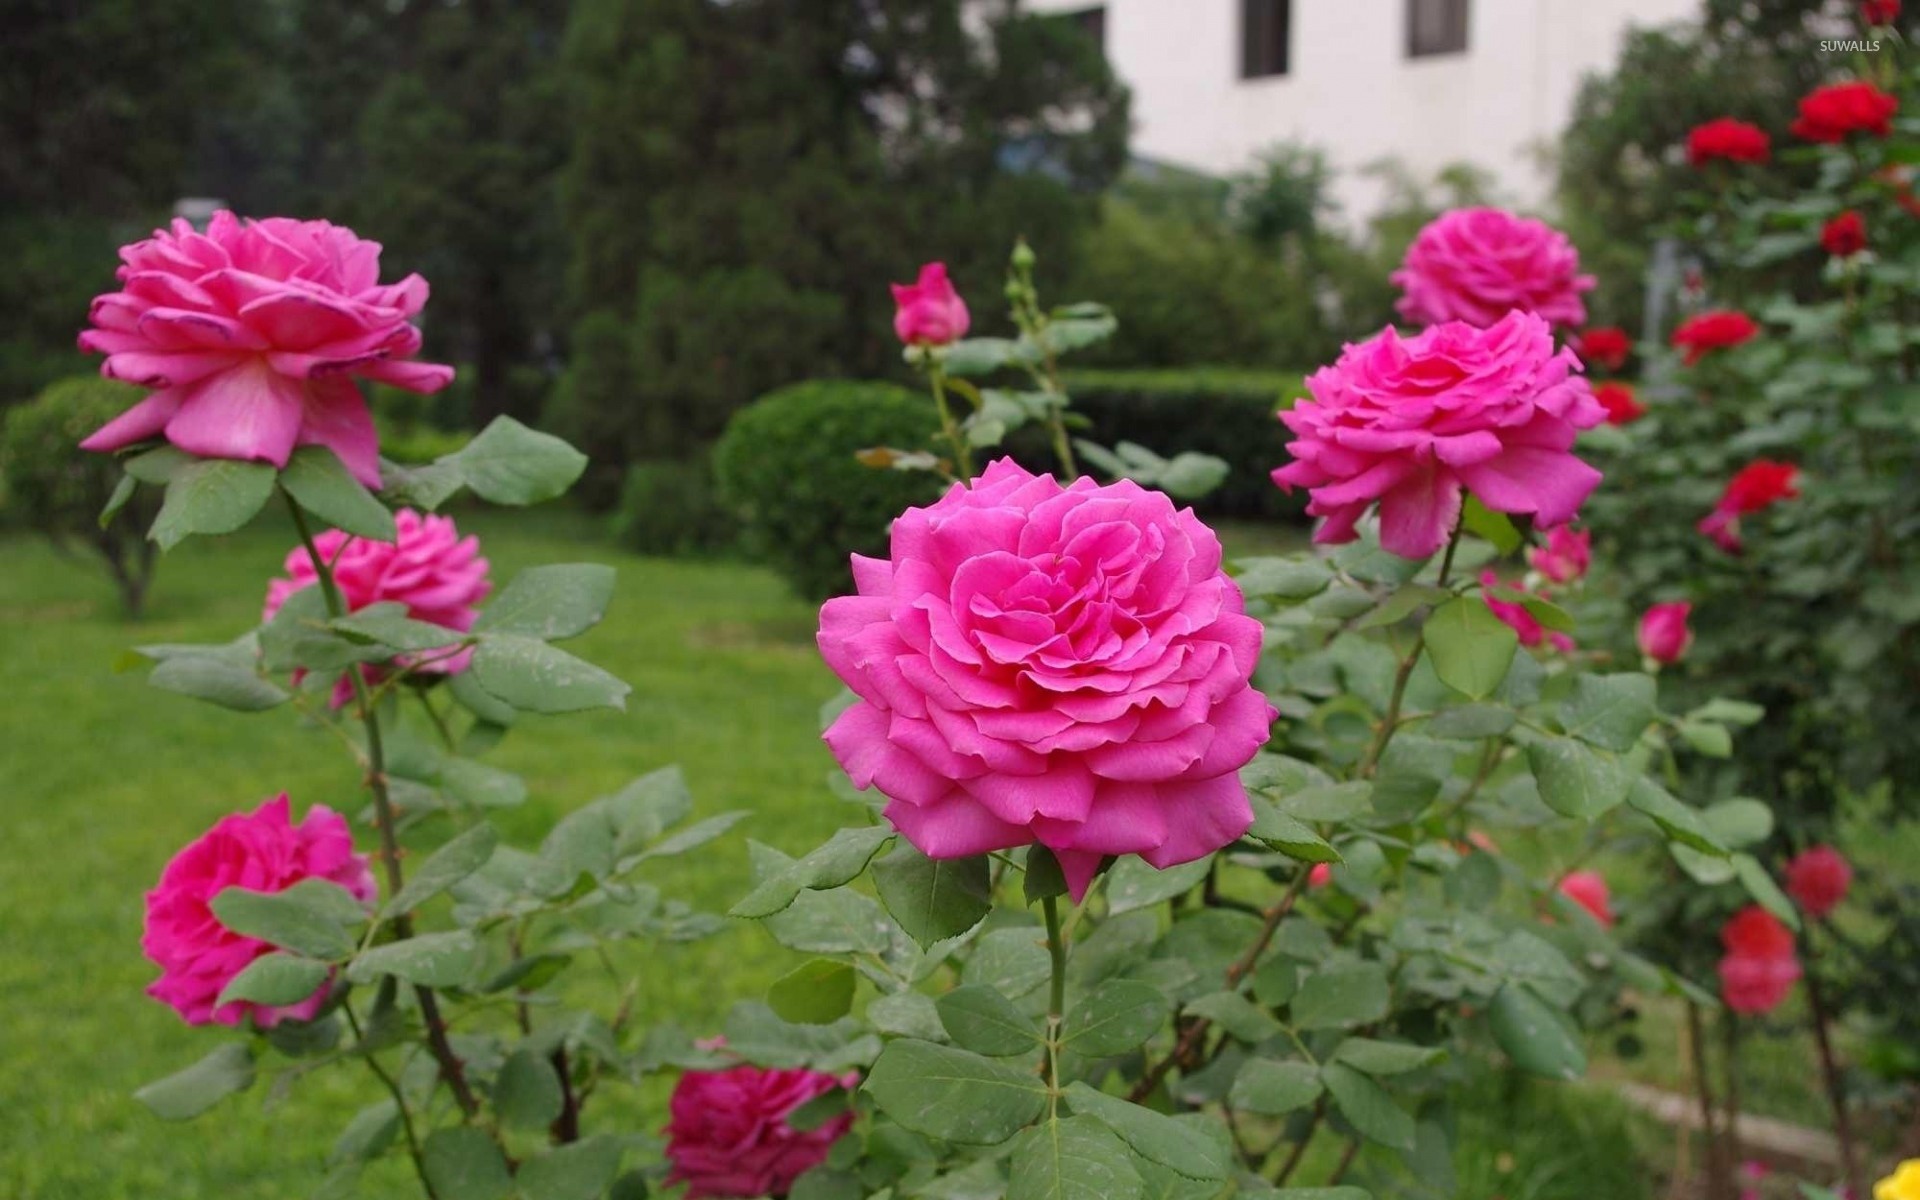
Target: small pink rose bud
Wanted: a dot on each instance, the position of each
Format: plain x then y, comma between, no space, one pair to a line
1320,876
929,312
1664,636
1565,557
1589,891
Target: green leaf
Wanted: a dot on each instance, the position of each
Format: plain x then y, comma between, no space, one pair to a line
1536,1037
838,861
1728,712
954,1094
440,960
445,867
157,466
211,495
933,898
316,478
1575,779
1043,879
368,1135
819,992
1470,648
1236,1014
982,1020
186,1094
1368,1107
1401,604
216,681
1330,802
311,917
389,625
551,602
1471,721
1154,1136
1706,738
1341,996
582,1170
527,1093
1610,711
1675,819
1386,1058
1012,961
1705,869
1739,822
1272,1088
1495,527
464,1162
426,486
907,1014
1115,1017
1289,578
1134,883
1764,890
535,677
508,463
123,489
984,356
1288,835
1078,1158
275,979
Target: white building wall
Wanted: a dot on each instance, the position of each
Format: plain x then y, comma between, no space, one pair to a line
1352,90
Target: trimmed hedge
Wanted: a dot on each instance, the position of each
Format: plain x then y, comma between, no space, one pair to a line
673,510
1214,410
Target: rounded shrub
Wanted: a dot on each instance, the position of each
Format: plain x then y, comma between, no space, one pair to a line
786,467
673,510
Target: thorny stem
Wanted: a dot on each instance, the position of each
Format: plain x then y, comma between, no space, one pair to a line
450,1066
399,1102
1346,1160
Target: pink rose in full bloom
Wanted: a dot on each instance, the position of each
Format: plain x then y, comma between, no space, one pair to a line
265,852
1664,635
929,312
729,1137
1413,421
1565,557
1818,879
429,567
1589,890
1759,485
252,335
1478,264
1760,966
1515,614
1061,665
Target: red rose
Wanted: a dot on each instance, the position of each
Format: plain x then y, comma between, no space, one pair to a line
730,1134
1757,485
1606,346
1724,137
1760,966
1618,400
1845,235
1830,113
1879,12
1716,330
1818,879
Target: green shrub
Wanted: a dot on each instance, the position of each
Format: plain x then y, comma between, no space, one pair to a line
58,489
786,466
673,510
1212,410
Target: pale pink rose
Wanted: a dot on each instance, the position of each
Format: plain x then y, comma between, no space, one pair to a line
1515,614
1565,557
1589,890
262,851
729,1136
1412,422
429,567
929,312
1478,264
1818,879
1061,665
1664,635
252,335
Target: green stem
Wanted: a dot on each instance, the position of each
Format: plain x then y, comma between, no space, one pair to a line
399,1103
1392,719
949,429
1056,998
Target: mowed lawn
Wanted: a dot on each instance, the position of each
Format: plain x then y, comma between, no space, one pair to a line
104,777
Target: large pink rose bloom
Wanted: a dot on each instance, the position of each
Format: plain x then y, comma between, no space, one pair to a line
1478,264
428,567
729,1136
265,852
1061,665
252,335
1410,422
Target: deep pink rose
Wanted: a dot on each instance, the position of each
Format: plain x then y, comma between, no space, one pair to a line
1410,422
729,1134
1818,879
1760,966
261,850
1565,557
929,312
1664,635
252,335
1500,598
1478,264
1062,665
1589,890
429,567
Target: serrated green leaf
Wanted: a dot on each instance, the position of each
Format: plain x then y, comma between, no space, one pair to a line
1675,819
954,1094
464,1162
186,1094
1368,1106
983,1021
1341,996
1538,1039
819,992
440,960
933,898
448,865
1272,1088
310,918
550,602
1134,883
1469,646
1288,835
1401,604
275,980
1078,1158
1386,1058
532,676
1115,1017
580,1170
226,684
1236,1014
1577,780
838,861
509,463
1154,1136
527,1093
211,495
1610,711
316,478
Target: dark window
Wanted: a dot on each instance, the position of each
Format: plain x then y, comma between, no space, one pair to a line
1093,23
1436,27
1266,34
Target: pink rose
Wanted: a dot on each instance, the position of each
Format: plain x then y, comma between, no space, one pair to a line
929,312
1565,557
265,852
252,335
429,567
1515,614
729,1136
1589,890
1478,264
1320,875
1061,665
1818,880
1760,966
1664,635
1413,421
